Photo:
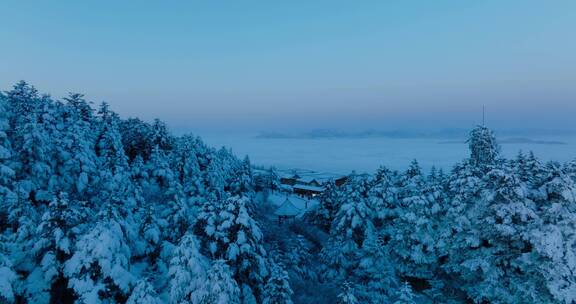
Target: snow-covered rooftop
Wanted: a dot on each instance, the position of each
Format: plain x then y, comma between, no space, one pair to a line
307,179
289,175
309,188
287,209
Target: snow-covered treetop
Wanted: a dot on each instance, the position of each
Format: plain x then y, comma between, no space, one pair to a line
484,149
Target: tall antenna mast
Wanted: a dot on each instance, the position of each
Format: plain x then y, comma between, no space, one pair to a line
483,115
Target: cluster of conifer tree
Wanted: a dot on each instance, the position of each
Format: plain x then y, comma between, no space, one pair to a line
493,230
98,209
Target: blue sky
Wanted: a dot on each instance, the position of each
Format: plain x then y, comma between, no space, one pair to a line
307,64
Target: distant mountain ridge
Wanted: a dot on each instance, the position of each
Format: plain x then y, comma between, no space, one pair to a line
516,136
514,140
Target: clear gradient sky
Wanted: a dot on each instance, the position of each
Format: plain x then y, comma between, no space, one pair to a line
270,65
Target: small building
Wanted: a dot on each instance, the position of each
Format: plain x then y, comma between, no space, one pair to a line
286,211
341,181
289,179
305,190
309,181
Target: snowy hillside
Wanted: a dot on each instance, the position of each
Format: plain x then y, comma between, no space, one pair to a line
100,209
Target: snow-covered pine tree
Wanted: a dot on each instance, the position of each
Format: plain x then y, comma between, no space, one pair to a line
21,101
99,269
351,227
164,188
347,294
76,157
552,259
532,172
277,289
490,262
136,138
61,252
33,146
570,169
187,272
8,277
384,196
160,136
457,233
144,293
138,173
330,201
160,172
483,147
81,108
376,275
150,231
187,167
114,172
107,116
176,214
298,259
241,182
405,295
413,232
272,179
222,288
214,175
556,186
110,150
229,232
53,245
7,196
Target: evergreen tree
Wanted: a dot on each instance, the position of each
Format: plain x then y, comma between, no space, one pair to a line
222,288
298,259
277,289
483,147
138,173
136,138
143,184
160,136
151,232
110,150
160,172
405,295
384,195
216,174
143,293
492,248
107,116
187,166
78,163
375,275
330,202
532,172
8,277
347,295
413,232
22,100
188,273
56,234
552,258
81,108
98,271
34,169
242,180
7,196
229,232
351,227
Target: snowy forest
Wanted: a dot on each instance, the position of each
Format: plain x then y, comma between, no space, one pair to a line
96,208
